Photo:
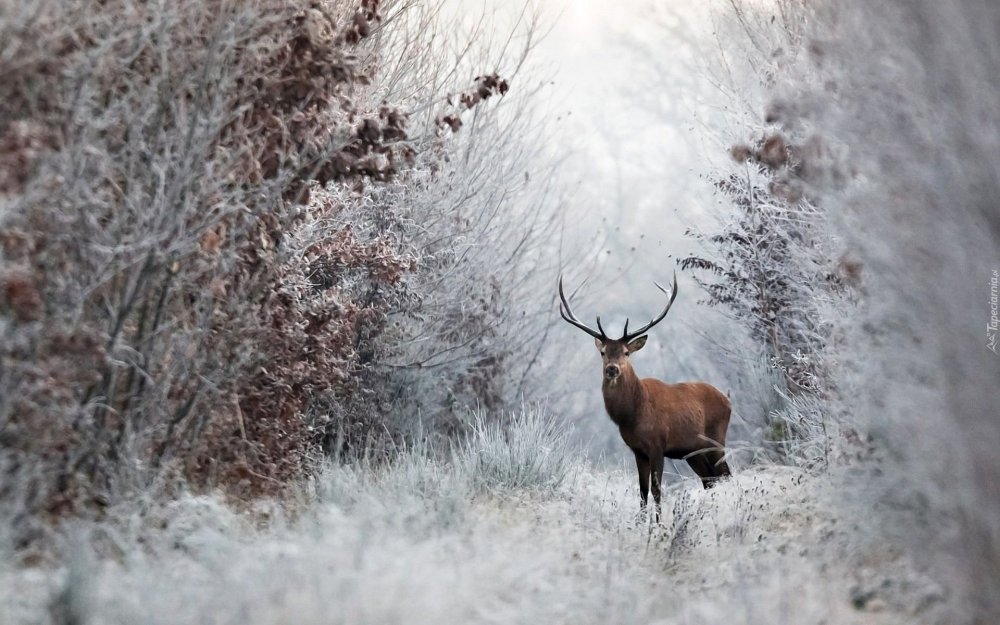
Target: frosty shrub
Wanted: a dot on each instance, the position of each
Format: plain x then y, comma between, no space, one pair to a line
528,450
890,108
210,248
775,264
152,313
478,207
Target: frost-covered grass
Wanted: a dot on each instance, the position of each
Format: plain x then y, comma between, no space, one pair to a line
421,541
530,450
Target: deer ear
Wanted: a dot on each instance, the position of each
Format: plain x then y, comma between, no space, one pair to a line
599,343
637,344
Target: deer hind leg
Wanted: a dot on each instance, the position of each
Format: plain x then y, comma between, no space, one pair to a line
702,467
718,460
710,465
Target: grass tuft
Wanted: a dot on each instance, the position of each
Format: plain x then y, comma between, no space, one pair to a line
528,450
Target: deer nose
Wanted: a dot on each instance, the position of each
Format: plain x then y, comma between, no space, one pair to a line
612,371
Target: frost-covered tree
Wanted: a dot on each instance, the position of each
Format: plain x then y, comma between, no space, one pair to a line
234,234
902,96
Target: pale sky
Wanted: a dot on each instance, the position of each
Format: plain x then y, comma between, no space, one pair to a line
630,97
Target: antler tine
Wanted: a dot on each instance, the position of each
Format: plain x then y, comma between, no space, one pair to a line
567,313
603,333
673,295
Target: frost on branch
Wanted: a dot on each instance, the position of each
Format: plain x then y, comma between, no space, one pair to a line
197,277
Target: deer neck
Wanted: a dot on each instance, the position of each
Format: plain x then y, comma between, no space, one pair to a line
623,398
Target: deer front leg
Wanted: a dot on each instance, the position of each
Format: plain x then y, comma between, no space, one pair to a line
656,476
642,463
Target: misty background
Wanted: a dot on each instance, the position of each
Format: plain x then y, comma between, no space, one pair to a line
279,331
633,111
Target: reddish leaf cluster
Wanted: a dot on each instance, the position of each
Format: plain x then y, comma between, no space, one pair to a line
22,144
182,290
484,88
794,166
19,295
155,315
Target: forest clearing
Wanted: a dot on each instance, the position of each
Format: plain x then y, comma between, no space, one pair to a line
308,312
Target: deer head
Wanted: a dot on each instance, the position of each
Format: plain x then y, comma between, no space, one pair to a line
615,352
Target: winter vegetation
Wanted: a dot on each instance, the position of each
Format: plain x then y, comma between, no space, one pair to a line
231,237
431,540
279,340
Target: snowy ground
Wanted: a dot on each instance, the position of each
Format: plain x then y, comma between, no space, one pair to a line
417,544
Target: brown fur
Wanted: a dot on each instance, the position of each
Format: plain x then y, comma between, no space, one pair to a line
658,420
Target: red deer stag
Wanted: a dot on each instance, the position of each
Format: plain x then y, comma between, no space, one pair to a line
658,420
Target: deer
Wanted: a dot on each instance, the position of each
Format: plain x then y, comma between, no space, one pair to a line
656,420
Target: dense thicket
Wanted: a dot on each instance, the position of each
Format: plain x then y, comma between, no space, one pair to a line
774,263
228,233
874,126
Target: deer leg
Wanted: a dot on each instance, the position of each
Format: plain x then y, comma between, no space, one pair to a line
642,463
710,465
656,475
717,460
701,465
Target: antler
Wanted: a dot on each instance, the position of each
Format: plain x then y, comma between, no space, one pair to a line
567,313
627,336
